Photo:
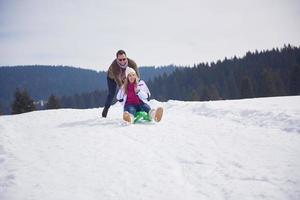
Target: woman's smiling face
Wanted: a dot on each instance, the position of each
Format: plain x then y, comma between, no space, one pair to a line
131,77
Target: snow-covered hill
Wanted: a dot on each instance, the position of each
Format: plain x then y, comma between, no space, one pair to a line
239,149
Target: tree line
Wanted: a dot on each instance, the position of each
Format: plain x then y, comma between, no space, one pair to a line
267,73
43,80
23,102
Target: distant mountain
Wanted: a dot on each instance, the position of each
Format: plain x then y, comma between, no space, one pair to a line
260,74
267,73
41,81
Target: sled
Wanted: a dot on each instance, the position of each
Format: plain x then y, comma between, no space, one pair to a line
141,116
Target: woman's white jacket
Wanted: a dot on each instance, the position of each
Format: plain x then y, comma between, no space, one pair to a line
143,93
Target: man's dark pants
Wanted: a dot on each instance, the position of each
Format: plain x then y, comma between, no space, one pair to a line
112,86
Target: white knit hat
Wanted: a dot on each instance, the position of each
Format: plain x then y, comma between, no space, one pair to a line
129,70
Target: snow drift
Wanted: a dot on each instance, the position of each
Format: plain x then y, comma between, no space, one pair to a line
238,149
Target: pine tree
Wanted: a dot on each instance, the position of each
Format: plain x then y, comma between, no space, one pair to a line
195,96
53,102
295,81
214,93
246,88
22,103
267,84
205,94
1,111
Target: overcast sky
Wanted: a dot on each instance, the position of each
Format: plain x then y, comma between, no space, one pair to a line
87,33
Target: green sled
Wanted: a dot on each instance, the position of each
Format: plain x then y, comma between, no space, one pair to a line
141,116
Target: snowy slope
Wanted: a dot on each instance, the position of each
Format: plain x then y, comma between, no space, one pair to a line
239,149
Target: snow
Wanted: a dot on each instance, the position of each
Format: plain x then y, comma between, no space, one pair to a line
237,149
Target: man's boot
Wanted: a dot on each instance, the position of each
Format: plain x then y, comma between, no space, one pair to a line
104,112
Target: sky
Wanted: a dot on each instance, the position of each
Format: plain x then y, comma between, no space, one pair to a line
88,33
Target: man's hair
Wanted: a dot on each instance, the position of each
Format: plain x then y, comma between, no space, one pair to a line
120,52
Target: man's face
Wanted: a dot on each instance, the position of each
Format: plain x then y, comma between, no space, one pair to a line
122,59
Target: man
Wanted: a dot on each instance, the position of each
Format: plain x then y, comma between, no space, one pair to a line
116,76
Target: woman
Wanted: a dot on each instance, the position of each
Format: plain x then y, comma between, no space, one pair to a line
134,95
